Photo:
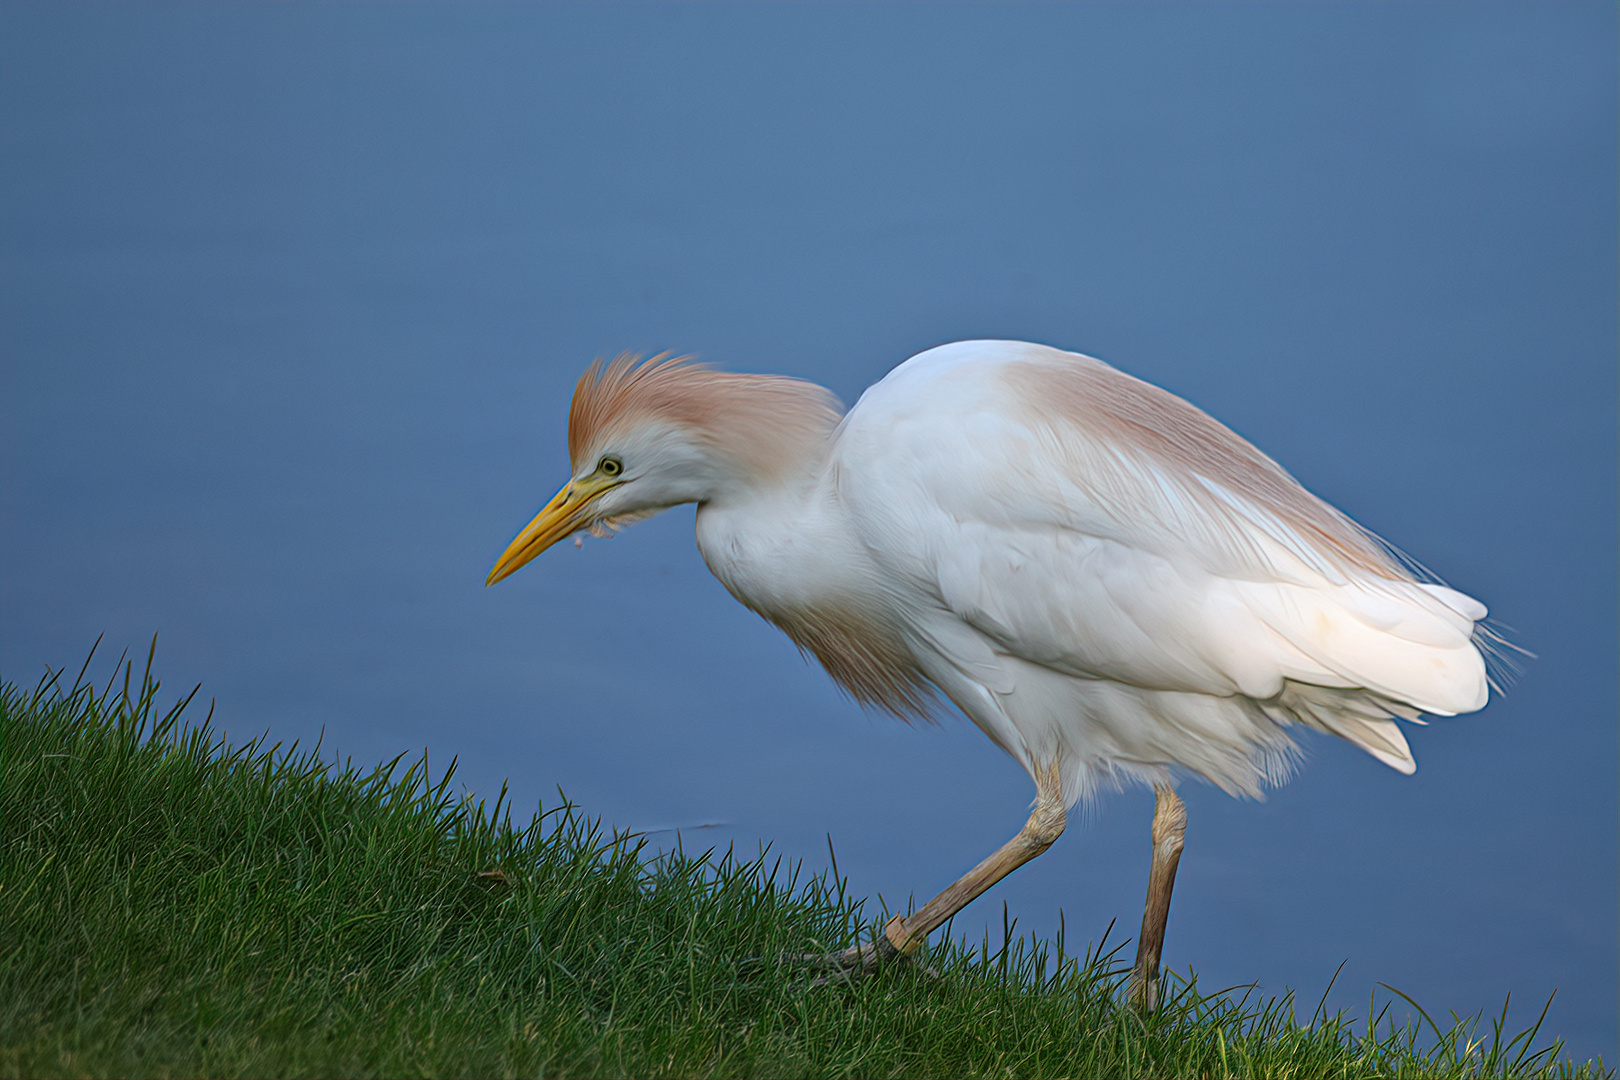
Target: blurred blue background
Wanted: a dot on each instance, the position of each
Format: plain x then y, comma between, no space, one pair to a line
292,300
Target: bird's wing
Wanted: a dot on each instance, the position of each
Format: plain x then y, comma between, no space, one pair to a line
1088,522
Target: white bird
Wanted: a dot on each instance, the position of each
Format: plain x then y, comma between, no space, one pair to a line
1112,585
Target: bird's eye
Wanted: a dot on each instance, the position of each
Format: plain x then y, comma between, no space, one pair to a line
610,466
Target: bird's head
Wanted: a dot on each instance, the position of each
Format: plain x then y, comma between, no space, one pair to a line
646,437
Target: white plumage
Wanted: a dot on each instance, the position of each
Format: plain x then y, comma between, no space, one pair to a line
1105,580
1080,602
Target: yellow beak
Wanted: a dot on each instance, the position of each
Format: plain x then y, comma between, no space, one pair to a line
567,513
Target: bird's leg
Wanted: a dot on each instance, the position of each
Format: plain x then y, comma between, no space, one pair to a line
903,934
1169,832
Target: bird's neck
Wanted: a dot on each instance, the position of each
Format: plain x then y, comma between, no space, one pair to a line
778,545
768,438
769,511
790,553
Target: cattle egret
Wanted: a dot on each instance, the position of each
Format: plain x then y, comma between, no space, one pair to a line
1111,584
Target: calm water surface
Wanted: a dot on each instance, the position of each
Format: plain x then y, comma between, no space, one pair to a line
292,299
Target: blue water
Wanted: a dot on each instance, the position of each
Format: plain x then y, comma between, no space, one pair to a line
292,299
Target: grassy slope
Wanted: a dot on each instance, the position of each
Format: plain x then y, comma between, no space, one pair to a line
172,905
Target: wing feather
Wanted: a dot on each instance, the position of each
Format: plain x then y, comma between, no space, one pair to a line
1088,522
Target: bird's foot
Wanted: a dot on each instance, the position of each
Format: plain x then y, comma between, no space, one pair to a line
1142,990
864,959
847,965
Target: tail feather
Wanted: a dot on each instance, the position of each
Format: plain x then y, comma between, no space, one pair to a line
1408,643
1354,715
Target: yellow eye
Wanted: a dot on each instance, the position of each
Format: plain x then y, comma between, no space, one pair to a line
610,466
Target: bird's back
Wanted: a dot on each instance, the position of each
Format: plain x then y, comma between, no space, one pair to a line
1111,575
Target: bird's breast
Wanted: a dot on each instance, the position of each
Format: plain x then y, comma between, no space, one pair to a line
806,572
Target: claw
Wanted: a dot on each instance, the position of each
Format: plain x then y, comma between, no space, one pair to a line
850,964
847,964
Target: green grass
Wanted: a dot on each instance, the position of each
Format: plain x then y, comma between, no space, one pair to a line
174,905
